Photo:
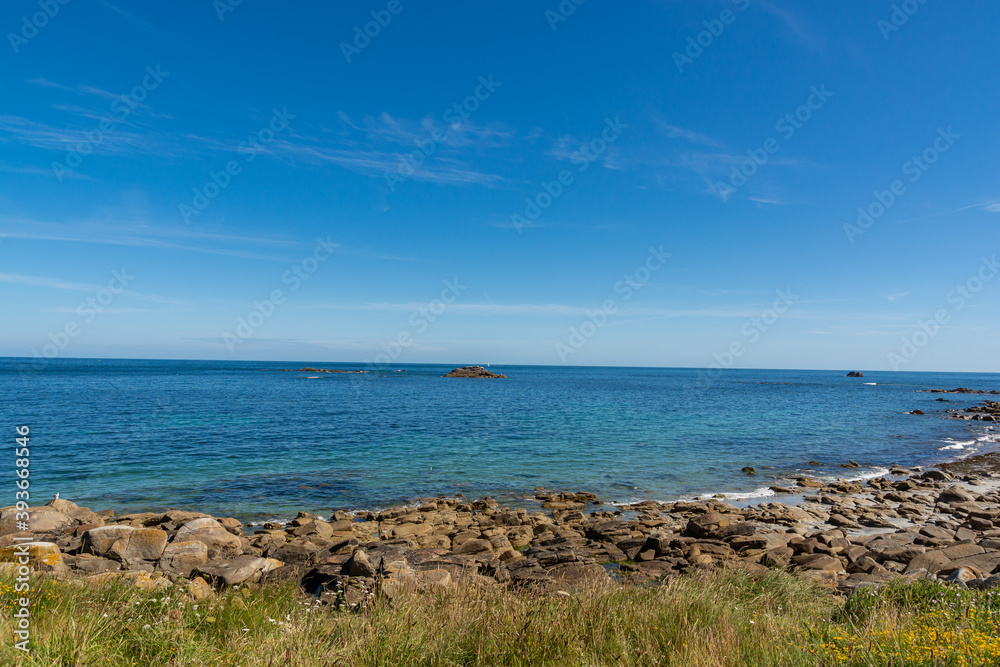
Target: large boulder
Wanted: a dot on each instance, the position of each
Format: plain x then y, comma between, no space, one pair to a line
707,525
40,520
95,565
955,494
229,572
98,541
74,511
220,542
183,557
39,556
139,544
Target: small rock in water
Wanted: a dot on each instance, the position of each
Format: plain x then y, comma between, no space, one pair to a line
473,372
749,470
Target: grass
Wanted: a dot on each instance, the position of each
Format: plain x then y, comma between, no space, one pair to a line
709,619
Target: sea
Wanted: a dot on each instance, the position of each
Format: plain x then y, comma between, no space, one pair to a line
262,441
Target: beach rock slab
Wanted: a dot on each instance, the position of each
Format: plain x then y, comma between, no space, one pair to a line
96,565
183,557
220,542
138,544
229,572
41,556
40,520
98,541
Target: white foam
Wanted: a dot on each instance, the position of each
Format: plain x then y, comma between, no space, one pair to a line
870,383
955,446
313,377
860,477
760,492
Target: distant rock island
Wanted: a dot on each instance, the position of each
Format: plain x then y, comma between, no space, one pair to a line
855,374
473,372
315,370
960,390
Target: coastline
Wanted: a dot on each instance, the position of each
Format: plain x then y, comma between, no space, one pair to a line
955,501
912,557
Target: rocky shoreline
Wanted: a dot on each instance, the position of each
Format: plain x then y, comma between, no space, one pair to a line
942,523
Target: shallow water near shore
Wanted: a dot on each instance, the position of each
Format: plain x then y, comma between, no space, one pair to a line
243,439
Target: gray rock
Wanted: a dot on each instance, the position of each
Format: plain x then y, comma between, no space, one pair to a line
183,557
229,572
955,494
220,542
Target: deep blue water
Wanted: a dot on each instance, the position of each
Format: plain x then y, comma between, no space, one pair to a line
240,438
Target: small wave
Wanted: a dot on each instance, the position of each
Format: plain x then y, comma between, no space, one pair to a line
870,383
313,377
760,492
860,477
283,522
947,447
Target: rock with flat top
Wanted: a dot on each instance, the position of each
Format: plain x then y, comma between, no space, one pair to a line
229,572
473,372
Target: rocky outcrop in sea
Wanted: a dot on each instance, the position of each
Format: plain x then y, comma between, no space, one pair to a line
473,372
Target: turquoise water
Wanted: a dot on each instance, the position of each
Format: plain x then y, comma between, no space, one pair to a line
242,439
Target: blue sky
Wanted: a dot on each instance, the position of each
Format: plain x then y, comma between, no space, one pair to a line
166,171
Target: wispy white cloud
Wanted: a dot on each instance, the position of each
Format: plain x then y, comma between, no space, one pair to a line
144,235
15,129
58,284
675,132
980,205
795,25
51,283
39,171
741,311
79,89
